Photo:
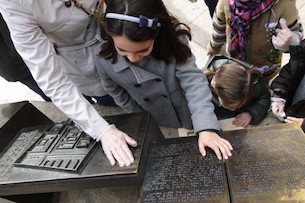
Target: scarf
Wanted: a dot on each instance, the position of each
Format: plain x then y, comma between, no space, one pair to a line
241,15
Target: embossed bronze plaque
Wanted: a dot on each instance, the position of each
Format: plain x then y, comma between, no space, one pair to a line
61,146
176,172
268,165
32,144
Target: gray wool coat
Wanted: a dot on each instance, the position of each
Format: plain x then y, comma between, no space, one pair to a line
175,95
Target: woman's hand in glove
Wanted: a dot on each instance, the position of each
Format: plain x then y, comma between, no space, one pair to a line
114,143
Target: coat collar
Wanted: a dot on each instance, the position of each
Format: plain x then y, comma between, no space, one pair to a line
141,74
121,64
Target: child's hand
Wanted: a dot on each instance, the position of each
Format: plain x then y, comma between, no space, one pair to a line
285,37
242,119
221,147
298,121
277,107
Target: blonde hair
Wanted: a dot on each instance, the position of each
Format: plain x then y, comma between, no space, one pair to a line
232,83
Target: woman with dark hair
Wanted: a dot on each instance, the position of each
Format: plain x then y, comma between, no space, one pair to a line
146,64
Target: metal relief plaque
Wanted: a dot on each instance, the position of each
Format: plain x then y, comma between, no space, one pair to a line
7,159
268,164
61,147
176,172
61,157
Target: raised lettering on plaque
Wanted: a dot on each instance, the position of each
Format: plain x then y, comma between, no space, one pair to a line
267,166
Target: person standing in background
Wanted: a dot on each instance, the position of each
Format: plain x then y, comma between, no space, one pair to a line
255,31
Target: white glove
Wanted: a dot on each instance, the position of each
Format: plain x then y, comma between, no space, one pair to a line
114,143
277,106
285,37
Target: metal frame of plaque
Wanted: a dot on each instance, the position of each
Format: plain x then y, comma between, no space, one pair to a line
97,172
267,165
14,117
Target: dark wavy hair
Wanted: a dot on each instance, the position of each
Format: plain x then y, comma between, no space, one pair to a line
170,38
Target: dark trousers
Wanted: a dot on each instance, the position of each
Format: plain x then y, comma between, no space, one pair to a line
211,5
12,66
106,100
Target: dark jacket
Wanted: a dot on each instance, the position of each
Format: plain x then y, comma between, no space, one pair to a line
286,83
257,105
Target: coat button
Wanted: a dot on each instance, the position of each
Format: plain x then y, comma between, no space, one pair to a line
68,3
137,85
158,80
146,99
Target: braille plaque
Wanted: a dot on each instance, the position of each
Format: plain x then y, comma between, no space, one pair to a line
61,146
61,157
176,172
267,166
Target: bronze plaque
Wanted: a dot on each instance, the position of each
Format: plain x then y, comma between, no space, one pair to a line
268,165
62,146
176,172
32,144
